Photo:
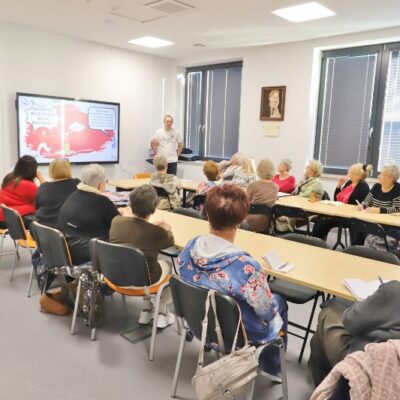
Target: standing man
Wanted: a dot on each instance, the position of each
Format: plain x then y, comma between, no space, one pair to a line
167,142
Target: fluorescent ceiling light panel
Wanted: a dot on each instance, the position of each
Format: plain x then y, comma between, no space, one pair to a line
150,41
304,12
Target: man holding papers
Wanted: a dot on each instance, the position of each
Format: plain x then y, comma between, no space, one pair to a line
343,330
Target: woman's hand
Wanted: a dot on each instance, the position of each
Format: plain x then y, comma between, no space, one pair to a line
360,207
40,177
341,182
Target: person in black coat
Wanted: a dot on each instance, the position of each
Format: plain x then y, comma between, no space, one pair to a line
349,190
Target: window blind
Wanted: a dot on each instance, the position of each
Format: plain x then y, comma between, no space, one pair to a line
390,133
193,111
345,109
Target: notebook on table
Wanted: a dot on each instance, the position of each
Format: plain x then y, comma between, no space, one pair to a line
361,289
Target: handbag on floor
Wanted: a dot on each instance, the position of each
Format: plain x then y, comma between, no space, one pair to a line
233,374
54,303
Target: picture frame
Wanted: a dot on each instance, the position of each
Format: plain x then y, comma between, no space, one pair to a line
273,103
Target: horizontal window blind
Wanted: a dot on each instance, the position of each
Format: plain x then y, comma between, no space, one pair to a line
345,109
193,111
390,134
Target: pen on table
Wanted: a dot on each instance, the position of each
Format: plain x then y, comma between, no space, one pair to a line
283,265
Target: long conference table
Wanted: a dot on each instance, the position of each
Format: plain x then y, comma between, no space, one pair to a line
316,268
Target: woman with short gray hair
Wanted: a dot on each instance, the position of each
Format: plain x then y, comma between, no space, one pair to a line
138,232
311,185
285,181
86,214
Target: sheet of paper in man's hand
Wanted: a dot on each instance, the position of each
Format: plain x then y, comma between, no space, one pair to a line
275,262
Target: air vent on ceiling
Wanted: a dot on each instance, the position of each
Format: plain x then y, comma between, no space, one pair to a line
169,6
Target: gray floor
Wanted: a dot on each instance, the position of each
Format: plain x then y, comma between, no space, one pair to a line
41,360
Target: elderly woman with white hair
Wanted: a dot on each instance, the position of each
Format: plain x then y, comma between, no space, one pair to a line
311,182
86,214
228,168
285,181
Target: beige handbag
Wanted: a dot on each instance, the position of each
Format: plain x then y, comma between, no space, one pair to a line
233,374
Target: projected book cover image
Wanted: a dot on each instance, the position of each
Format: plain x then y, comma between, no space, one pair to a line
81,130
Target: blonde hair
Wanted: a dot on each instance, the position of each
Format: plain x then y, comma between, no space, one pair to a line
361,170
266,169
160,162
247,166
60,168
316,166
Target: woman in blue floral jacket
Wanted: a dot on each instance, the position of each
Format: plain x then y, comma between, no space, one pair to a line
213,261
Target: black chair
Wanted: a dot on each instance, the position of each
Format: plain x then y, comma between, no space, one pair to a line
55,252
122,267
325,196
299,294
360,229
199,201
373,254
279,210
259,218
20,236
188,212
161,192
189,303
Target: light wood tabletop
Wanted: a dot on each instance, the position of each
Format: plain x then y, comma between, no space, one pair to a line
129,184
316,268
343,210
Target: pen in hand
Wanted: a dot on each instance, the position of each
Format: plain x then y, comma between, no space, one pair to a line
380,280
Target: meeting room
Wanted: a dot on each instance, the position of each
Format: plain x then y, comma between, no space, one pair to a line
200,199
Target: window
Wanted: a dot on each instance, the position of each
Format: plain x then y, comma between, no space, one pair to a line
359,108
213,110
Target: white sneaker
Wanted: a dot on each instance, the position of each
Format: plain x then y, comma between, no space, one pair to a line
165,319
273,378
145,317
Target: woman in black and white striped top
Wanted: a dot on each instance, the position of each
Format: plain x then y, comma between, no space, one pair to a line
384,197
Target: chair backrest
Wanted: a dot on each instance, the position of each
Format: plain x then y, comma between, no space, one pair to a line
279,210
52,245
325,196
311,240
373,254
366,228
120,264
161,192
142,175
259,218
14,222
189,304
199,200
189,212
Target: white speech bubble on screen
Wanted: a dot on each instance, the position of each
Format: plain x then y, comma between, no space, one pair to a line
41,116
102,118
76,127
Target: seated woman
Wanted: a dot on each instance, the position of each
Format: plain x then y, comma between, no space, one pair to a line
283,179
264,191
18,189
350,190
86,214
384,198
213,261
51,195
228,168
167,181
342,330
137,231
211,171
245,174
311,183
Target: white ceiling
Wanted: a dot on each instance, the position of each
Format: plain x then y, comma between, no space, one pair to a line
218,24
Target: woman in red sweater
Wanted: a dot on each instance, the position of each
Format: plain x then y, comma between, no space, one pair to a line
18,188
284,180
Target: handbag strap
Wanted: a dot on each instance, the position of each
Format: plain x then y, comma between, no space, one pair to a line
221,344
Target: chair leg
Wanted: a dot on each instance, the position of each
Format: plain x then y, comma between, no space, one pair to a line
124,306
179,326
78,294
15,261
1,244
178,363
250,395
155,320
173,264
308,328
93,334
283,370
30,282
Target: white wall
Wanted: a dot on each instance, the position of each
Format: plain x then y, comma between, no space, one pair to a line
297,66
38,62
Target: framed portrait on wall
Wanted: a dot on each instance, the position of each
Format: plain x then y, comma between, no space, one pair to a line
272,103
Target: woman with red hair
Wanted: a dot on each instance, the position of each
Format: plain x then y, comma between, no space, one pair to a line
213,261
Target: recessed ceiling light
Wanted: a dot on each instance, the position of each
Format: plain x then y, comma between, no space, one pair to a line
304,12
150,41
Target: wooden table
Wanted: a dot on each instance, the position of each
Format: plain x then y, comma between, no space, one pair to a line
316,268
188,185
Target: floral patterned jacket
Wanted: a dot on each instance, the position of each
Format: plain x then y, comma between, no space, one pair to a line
239,276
